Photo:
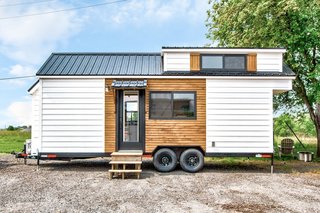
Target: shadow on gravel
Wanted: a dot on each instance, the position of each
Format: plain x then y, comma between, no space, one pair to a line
102,165
75,165
239,168
4,164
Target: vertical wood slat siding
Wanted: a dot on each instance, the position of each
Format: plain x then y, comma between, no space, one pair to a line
195,61
177,132
163,132
110,118
252,62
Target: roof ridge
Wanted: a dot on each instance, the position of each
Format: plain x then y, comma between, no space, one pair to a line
106,53
205,47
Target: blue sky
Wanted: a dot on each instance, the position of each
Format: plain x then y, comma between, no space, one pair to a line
133,26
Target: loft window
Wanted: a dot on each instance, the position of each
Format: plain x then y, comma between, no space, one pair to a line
223,62
172,105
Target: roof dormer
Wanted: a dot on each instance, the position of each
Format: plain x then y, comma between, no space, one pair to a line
211,59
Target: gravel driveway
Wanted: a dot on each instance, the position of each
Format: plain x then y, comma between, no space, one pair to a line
82,186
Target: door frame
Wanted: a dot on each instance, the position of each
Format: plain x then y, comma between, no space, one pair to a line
119,121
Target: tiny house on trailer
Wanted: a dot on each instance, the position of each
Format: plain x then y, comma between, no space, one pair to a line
178,105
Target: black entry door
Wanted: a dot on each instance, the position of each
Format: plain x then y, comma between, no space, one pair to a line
130,119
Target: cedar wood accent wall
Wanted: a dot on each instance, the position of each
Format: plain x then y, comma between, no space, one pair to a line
110,118
164,132
194,61
252,62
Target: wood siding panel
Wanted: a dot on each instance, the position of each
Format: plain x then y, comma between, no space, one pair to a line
252,62
110,118
177,132
195,61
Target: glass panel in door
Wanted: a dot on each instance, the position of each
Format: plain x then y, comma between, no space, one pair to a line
131,116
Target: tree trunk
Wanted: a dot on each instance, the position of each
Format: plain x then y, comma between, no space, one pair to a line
318,141
317,125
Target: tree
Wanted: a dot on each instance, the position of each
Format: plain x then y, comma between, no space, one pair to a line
10,128
292,24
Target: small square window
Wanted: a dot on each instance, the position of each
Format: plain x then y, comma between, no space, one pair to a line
234,62
183,105
160,105
212,62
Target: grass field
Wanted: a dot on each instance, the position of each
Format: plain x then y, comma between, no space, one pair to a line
12,140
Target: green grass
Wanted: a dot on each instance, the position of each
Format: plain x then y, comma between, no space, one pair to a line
12,140
309,143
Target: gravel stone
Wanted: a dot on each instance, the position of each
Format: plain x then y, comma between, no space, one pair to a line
83,186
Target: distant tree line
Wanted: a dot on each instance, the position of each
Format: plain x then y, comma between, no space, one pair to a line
12,128
302,125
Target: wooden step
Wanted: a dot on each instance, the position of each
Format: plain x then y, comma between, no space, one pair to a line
126,154
126,158
125,162
126,171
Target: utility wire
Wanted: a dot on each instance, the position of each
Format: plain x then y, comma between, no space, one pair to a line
24,3
63,10
10,78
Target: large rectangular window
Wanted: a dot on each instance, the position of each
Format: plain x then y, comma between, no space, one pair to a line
223,62
172,105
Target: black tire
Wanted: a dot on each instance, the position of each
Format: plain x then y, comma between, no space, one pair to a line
165,160
191,160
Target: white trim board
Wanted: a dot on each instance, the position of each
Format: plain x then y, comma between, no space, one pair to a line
223,50
168,77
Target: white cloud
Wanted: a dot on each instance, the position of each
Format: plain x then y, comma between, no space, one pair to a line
155,11
31,39
19,70
19,113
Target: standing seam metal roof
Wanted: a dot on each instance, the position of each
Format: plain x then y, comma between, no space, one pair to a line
127,64
102,64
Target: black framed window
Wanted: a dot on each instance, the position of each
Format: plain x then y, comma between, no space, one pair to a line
223,62
172,105
212,62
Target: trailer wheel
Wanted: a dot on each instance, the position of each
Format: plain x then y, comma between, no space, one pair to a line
191,160
165,160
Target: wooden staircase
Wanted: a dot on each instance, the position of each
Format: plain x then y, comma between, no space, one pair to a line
124,162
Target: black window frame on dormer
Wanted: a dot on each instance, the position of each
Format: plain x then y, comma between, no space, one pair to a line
223,62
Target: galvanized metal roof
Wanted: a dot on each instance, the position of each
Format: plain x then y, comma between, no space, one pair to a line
76,64
127,64
129,84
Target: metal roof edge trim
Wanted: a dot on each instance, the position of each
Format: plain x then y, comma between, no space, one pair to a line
107,53
33,85
162,77
173,47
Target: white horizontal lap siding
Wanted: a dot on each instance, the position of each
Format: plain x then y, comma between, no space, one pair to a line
269,62
36,119
239,116
73,115
176,61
